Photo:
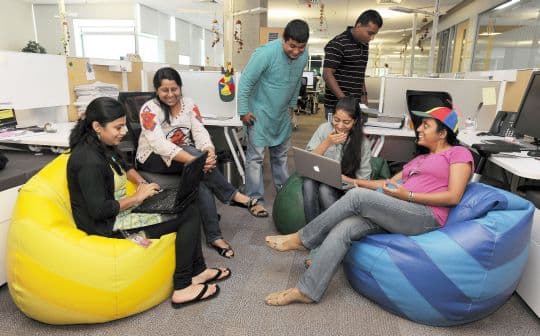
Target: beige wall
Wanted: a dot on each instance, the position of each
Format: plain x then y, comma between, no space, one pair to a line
17,25
250,30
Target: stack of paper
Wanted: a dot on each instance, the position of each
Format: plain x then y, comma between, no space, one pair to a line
87,92
386,122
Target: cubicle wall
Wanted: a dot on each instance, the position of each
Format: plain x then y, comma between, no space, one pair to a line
373,87
467,94
202,87
32,80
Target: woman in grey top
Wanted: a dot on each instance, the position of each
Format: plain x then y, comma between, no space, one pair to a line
341,140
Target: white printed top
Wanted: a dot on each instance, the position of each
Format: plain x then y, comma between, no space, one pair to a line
165,139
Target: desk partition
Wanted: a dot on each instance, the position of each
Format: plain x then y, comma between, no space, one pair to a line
467,94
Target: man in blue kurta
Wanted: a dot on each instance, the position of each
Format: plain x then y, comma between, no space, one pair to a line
268,88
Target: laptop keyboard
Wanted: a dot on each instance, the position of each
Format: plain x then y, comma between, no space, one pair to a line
163,200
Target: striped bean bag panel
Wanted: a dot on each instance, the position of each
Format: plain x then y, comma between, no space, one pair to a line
454,275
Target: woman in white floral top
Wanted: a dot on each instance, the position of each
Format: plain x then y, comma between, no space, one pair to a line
172,134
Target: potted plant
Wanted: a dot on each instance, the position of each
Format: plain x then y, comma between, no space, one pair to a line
34,47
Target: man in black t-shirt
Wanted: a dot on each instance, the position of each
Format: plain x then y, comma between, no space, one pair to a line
345,60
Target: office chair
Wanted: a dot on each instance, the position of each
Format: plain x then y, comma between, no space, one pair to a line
424,101
302,97
132,103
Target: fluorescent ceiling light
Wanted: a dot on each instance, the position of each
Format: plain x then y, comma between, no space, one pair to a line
507,4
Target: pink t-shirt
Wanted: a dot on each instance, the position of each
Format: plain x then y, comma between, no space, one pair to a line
431,172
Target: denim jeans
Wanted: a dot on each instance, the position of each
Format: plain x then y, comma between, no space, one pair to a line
212,184
358,213
254,166
318,197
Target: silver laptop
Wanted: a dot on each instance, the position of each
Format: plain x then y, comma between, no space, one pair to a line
319,168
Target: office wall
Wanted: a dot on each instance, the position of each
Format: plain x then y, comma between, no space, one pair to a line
17,25
250,30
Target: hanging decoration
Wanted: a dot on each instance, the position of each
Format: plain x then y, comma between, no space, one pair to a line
238,35
322,18
308,3
215,31
65,28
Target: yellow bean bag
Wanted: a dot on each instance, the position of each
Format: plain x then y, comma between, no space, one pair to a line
58,274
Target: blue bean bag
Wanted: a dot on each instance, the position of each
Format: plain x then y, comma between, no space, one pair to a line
454,275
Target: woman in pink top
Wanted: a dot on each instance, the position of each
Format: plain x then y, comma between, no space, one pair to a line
430,185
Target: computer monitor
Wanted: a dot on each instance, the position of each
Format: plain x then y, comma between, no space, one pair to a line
528,117
309,76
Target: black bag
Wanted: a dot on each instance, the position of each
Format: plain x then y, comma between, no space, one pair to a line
3,161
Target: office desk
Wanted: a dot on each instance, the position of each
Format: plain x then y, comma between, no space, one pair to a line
520,165
57,142
380,133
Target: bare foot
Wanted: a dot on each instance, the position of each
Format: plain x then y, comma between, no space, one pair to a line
208,274
190,292
285,242
286,297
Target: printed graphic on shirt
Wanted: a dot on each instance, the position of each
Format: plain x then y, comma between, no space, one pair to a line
180,136
197,113
148,117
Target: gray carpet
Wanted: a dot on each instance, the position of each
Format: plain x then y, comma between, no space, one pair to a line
257,271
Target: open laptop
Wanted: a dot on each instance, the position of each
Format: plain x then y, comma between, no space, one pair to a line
175,200
8,120
319,168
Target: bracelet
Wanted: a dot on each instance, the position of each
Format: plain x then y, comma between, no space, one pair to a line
411,196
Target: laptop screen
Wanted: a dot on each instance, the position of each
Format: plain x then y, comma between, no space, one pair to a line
7,118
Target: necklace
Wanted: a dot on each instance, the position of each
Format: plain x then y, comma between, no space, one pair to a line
182,108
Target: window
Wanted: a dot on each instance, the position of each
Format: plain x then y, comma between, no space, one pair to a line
104,38
508,38
148,48
183,59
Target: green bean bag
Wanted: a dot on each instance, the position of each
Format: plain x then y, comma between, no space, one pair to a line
288,209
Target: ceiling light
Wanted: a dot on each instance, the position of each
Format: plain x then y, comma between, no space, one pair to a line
507,4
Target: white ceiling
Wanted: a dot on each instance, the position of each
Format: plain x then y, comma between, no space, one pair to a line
337,15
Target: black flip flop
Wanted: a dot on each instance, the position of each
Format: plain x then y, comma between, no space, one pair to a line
222,251
216,278
199,297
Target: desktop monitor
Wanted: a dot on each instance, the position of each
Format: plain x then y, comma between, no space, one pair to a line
309,75
7,118
528,118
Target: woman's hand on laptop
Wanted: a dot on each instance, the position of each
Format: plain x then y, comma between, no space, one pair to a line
145,190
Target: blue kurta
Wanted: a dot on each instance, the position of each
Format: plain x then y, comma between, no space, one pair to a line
269,85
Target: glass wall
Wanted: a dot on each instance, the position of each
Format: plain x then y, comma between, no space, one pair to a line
507,38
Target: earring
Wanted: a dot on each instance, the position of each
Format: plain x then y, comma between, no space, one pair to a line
98,135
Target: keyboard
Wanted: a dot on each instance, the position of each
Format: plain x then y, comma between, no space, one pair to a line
385,121
491,148
501,142
163,200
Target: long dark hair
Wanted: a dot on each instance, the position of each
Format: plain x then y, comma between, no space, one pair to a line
451,137
103,110
170,74
350,161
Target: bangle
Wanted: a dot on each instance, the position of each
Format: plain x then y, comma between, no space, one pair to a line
411,196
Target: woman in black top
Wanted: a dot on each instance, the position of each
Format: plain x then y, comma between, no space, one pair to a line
96,180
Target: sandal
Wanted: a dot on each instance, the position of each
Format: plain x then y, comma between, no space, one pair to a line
257,209
216,278
199,297
222,251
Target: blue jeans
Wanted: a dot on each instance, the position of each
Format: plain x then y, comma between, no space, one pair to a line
358,213
254,166
212,184
318,197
